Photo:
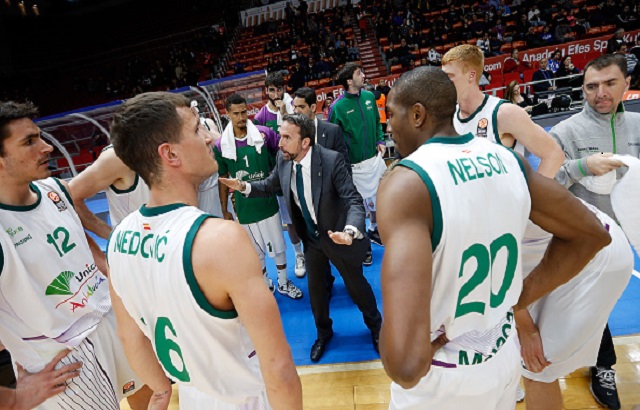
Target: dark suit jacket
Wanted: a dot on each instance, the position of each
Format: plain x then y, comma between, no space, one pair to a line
330,136
336,201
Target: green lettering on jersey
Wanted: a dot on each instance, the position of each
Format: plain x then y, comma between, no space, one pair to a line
456,170
149,247
463,358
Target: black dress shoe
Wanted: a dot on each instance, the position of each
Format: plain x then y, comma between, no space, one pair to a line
317,350
375,338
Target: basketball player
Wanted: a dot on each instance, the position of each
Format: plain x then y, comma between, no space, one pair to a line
486,116
54,296
125,191
187,288
561,332
467,200
248,152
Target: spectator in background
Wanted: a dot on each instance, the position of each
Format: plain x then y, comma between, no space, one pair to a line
484,45
522,26
495,44
513,95
352,51
534,17
554,61
434,57
513,63
532,39
566,69
563,32
632,60
296,79
614,42
545,75
485,79
383,87
547,36
326,106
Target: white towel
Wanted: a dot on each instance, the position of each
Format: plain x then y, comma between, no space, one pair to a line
228,143
625,200
288,104
601,184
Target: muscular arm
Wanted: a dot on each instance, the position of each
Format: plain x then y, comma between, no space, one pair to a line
98,256
405,228
514,122
106,170
577,236
232,277
138,348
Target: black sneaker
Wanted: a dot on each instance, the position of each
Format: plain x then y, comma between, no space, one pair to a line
374,236
603,387
368,260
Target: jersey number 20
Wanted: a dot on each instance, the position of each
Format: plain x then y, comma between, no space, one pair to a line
484,259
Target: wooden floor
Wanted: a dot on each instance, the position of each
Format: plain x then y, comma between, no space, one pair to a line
365,386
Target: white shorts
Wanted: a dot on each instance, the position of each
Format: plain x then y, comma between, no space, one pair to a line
267,236
105,376
490,385
284,212
190,398
571,319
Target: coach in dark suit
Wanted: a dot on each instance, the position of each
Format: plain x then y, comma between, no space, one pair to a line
328,213
328,135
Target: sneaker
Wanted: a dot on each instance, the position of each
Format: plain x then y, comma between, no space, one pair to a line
374,236
519,394
368,260
269,283
603,387
289,289
301,268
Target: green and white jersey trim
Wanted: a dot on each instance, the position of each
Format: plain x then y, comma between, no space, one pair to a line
150,260
480,205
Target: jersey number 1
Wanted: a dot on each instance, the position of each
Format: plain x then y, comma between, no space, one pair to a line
484,260
164,347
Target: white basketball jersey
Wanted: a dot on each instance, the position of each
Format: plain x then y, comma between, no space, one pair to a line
484,121
124,201
149,255
481,204
52,294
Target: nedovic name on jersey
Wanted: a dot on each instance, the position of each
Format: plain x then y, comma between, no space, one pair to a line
481,204
149,256
51,292
484,121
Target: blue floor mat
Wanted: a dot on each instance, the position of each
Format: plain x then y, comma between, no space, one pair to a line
352,340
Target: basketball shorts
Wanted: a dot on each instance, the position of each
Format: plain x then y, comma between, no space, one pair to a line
284,212
571,319
105,376
490,385
267,236
191,398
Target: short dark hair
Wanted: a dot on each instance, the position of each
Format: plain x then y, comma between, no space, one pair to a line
275,78
11,111
607,60
306,125
306,93
346,73
143,123
234,99
432,88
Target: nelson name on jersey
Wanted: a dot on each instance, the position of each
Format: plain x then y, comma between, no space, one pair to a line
468,168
